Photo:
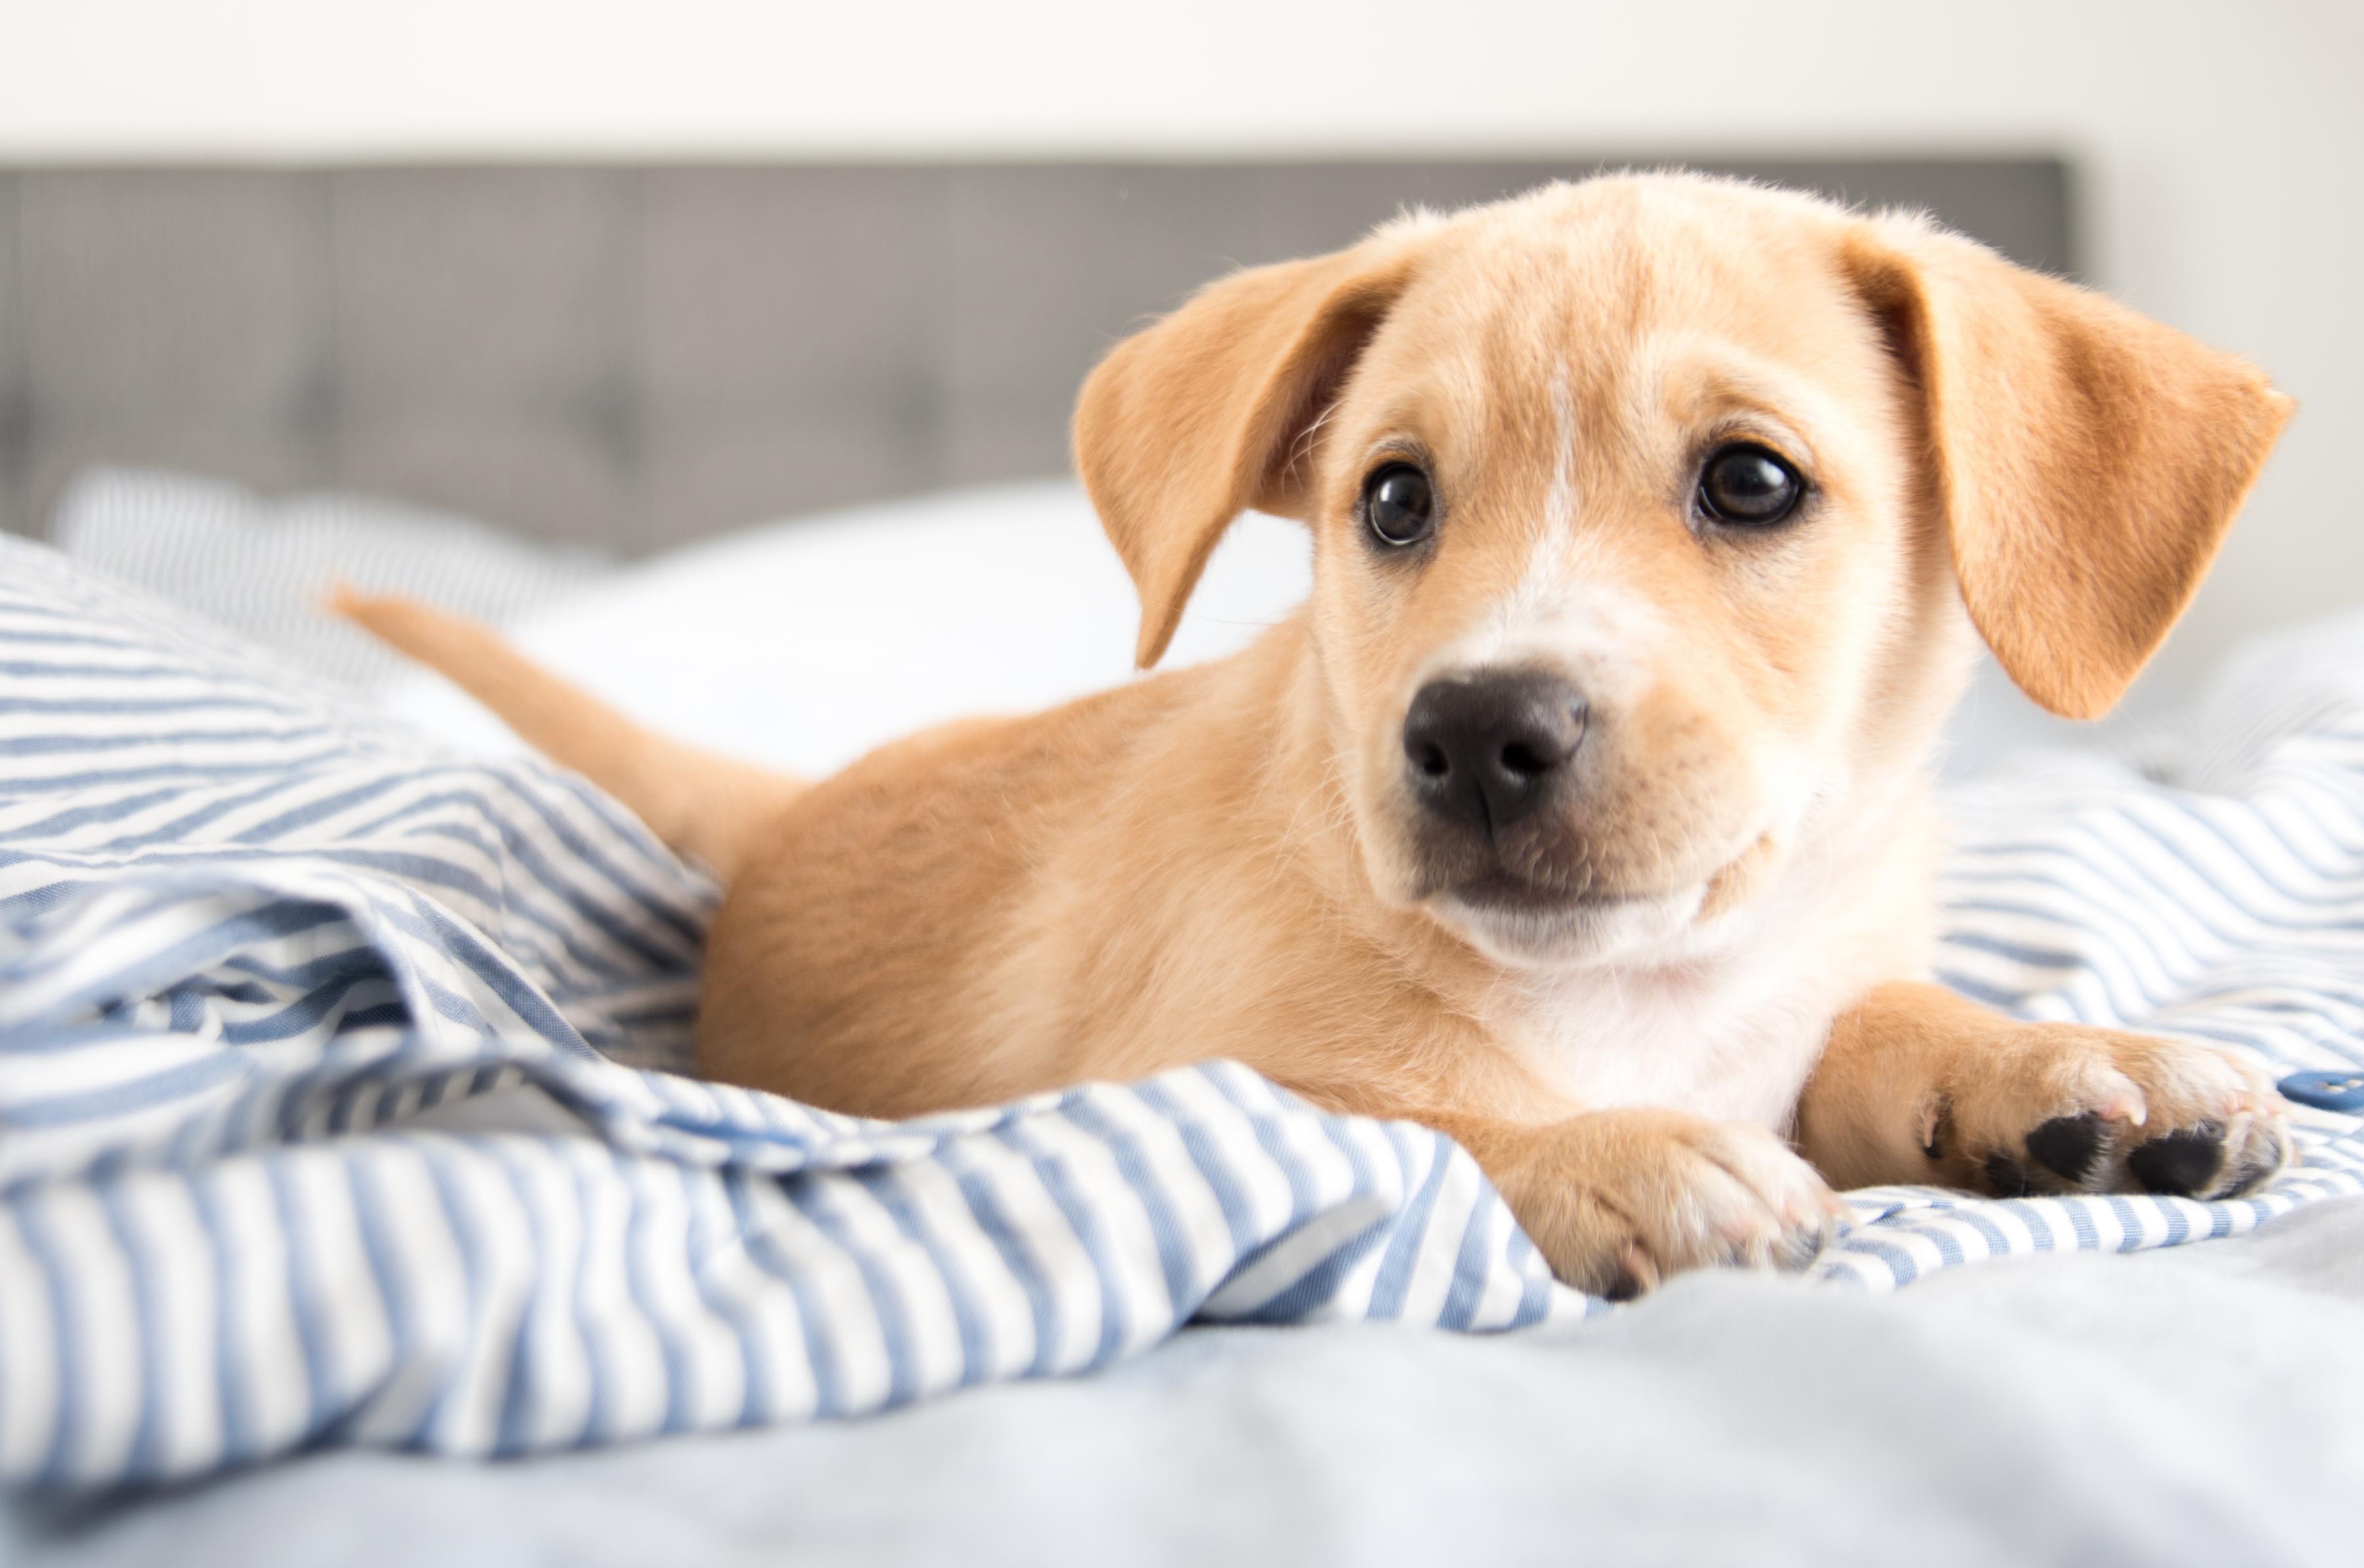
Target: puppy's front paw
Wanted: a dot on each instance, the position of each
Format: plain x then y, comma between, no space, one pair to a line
1619,1200
2061,1107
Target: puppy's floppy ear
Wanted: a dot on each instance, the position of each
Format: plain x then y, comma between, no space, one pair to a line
1195,419
2088,458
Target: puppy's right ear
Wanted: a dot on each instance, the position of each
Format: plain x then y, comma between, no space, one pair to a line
2089,461
1190,423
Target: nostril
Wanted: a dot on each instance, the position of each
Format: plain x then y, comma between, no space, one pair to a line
1524,760
1432,761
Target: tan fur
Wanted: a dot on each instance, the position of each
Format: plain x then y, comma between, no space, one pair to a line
1225,861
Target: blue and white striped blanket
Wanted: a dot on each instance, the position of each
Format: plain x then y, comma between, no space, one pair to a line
262,956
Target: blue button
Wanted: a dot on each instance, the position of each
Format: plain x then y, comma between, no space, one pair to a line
2342,1091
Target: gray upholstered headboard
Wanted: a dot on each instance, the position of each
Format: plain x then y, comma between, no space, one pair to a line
639,356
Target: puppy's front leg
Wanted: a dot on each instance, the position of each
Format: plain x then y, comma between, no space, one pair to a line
1617,1199
1920,1085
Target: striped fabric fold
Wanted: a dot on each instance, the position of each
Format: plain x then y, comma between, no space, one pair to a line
275,977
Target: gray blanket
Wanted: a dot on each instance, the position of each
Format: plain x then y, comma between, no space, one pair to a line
2203,1404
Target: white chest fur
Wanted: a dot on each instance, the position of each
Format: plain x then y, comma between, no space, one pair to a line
1720,1043
1737,1034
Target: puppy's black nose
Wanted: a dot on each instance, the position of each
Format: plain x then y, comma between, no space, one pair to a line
1486,749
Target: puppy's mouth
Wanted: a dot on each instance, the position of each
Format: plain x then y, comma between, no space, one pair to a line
1529,919
1524,923
1507,893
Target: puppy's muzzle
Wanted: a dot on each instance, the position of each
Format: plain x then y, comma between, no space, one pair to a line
1483,751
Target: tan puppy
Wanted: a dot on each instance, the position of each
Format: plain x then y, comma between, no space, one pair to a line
1583,812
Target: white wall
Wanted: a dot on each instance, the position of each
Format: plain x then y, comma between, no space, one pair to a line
2221,143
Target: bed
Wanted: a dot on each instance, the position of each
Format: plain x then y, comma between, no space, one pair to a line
2106,1380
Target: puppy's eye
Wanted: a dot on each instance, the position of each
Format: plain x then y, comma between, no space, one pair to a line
1749,487
1398,508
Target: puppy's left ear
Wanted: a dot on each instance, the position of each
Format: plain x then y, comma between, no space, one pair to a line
2089,460
1206,414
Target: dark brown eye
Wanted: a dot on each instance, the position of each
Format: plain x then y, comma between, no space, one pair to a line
1749,487
1398,508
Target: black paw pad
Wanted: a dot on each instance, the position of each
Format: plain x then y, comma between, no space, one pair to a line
2006,1177
2068,1146
2180,1163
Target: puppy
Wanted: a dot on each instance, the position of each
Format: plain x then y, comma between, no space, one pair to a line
1583,812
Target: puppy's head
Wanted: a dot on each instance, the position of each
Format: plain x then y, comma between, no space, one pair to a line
1646,511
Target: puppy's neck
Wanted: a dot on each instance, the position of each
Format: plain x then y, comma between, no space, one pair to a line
1734,1027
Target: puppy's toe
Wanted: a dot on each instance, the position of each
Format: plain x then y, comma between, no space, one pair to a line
2216,1157
2216,1127
2255,1154
2183,1162
1636,1196
2073,1147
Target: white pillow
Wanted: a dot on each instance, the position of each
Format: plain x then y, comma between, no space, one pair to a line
803,644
